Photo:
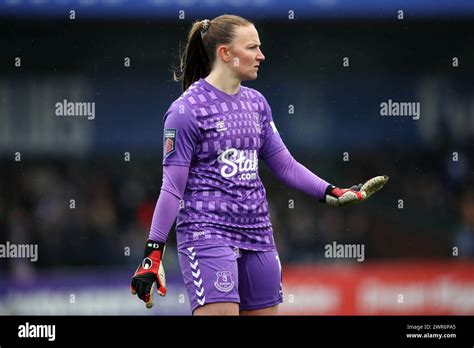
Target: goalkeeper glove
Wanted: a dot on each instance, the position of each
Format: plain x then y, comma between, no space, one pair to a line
357,193
149,273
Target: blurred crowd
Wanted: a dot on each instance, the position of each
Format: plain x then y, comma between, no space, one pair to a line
98,212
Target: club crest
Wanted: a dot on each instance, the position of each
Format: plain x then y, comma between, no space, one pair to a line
224,281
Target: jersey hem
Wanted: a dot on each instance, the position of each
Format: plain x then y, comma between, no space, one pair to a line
245,246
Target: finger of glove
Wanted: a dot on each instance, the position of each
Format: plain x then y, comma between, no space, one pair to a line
143,289
350,197
332,200
373,185
356,187
149,297
138,290
162,291
161,281
133,286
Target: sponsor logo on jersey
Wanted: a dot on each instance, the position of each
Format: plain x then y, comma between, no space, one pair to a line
224,281
243,163
169,141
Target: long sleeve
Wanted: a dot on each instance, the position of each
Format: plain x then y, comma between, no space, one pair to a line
295,175
180,137
167,206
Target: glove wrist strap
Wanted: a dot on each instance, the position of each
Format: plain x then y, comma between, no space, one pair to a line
152,246
327,192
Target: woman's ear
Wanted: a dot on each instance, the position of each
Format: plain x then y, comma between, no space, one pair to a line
223,53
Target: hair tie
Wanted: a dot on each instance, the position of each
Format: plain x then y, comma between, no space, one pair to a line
205,26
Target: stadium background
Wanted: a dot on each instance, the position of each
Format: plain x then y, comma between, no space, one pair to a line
111,165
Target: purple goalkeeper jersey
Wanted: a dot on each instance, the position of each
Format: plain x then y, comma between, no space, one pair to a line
221,137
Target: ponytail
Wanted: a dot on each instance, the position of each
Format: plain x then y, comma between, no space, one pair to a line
199,54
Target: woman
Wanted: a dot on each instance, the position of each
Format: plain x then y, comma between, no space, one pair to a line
214,135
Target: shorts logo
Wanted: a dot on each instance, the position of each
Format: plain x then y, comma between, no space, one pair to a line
169,141
224,281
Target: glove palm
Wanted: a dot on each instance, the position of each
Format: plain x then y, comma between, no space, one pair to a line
357,193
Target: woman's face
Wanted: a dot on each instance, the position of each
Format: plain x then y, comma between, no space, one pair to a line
245,54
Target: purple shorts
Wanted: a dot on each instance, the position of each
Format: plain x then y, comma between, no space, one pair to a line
222,273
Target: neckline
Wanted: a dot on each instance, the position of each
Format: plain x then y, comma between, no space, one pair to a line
222,94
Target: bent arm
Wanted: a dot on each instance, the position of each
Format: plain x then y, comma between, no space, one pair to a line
295,175
167,206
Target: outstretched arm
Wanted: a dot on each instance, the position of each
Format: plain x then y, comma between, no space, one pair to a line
297,176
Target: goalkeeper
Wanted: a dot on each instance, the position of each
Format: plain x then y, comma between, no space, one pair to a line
214,135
